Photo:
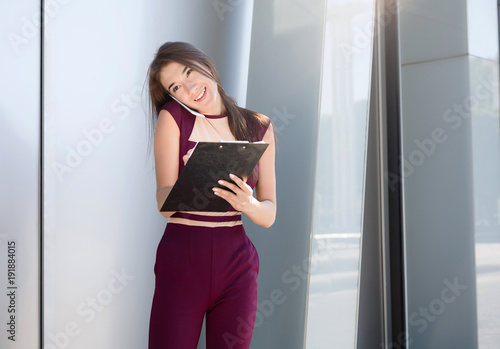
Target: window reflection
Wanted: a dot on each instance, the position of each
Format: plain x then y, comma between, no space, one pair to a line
483,75
486,167
339,178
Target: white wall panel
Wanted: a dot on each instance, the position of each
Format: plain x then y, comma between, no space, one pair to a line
102,226
20,171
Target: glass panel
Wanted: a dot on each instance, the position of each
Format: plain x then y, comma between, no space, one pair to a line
340,174
486,167
482,32
482,23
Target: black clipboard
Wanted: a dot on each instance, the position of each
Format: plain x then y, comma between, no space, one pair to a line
209,162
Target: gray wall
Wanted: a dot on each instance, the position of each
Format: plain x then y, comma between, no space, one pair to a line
101,226
19,158
437,182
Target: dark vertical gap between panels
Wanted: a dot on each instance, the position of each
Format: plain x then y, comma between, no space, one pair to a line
498,23
498,28
396,247
40,202
370,321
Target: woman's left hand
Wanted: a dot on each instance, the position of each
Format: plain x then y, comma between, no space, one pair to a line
242,199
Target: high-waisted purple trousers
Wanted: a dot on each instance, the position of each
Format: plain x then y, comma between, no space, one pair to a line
204,271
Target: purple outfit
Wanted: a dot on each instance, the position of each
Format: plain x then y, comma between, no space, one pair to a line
205,265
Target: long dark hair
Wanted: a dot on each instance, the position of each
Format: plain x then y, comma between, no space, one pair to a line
243,123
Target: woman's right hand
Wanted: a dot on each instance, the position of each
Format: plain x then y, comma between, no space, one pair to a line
185,158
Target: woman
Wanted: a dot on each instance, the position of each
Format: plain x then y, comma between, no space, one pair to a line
205,263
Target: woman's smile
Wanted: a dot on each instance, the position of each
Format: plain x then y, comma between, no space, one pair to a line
201,95
192,88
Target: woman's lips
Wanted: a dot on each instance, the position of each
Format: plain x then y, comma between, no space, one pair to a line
203,94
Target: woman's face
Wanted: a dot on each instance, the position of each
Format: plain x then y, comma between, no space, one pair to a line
192,88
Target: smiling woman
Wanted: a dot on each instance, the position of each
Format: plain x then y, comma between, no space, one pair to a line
192,87
205,263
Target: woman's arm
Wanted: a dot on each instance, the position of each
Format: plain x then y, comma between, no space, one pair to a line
262,208
166,150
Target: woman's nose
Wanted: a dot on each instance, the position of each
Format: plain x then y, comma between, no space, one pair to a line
192,87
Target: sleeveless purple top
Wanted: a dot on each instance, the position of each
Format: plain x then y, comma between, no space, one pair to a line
193,129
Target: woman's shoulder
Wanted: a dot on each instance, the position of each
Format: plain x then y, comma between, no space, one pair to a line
264,119
176,111
265,124
172,107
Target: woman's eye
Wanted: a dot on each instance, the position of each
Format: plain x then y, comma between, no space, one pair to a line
175,88
189,72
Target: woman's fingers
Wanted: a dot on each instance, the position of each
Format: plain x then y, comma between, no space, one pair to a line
242,196
239,184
